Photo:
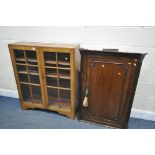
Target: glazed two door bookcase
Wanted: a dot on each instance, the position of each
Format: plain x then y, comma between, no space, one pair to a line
45,76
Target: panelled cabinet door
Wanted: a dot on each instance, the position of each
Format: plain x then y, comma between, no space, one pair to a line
25,60
104,89
106,82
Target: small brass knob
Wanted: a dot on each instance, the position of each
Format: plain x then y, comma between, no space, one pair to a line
135,64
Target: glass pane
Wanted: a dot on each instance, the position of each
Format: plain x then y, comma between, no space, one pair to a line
34,79
64,72
61,65
33,69
19,54
36,94
51,64
64,57
53,97
50,56
50,81
31,54
50,59
21,61
25,90
64,83
32,62
51,71
21,68
65,98
23,78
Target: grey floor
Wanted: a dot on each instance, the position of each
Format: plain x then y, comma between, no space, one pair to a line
13,117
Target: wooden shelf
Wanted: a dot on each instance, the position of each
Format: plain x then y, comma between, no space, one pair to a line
57,68
52,75
36,100
53,87
32,60
23,59
63,63
55,62
65,103
63,88
20,59
50,62
58,76
53,103
51,67
64,76
63,68
25,72
33,73
22,72
33,84
28,100
21,64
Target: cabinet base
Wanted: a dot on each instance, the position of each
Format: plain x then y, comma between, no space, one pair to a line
24,108
104,123
62,112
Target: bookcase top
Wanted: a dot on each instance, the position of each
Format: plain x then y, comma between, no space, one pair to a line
37,44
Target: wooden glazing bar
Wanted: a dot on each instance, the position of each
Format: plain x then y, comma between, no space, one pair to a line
28,76
58,79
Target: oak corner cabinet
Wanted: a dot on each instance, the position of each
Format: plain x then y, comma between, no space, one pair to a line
45,76
107,85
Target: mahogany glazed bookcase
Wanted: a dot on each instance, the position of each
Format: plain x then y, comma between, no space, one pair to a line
45,76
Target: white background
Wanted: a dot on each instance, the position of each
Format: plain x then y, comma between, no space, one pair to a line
77,13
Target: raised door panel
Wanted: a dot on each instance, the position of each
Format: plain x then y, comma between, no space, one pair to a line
106,82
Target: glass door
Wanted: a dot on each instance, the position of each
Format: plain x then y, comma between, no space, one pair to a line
64,79
57,78
26,61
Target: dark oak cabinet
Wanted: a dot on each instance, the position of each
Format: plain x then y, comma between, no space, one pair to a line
107,86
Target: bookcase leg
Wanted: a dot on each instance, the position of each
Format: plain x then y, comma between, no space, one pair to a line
24,108
71,116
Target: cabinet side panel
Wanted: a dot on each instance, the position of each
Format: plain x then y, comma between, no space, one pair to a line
73,82
82,83
131,90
